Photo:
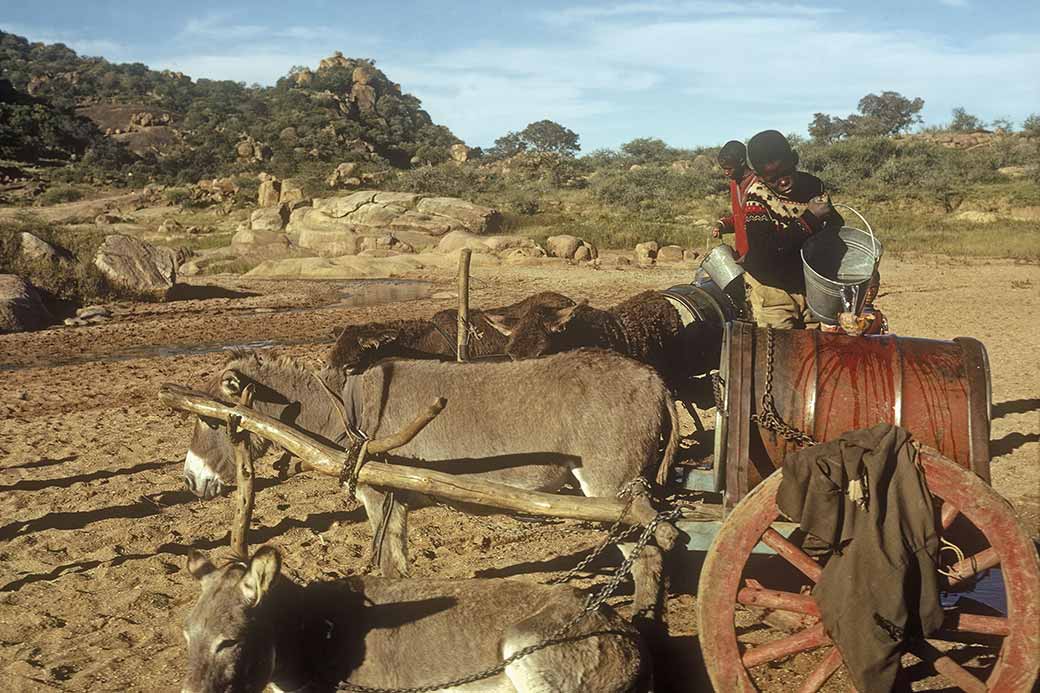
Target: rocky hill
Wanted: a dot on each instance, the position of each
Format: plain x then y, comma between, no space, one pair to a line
167,127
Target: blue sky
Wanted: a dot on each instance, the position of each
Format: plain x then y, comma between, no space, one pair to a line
689,72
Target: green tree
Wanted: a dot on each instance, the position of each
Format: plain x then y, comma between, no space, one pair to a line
887,113
1031,125
647,149
542,136
964,121
549,136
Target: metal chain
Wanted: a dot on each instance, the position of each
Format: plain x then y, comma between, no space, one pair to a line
718,386
356,457
617,532
592,604
769,418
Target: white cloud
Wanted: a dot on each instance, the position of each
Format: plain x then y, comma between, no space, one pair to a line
954,3
586,13
693,66
111,50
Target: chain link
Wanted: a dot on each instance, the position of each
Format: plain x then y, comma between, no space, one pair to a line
718,386
769,418
617,532
592,604
356,457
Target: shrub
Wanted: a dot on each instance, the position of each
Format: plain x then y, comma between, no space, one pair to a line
177,196
656,193
449,180
57,194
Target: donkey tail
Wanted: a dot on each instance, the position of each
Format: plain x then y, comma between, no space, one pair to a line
671,448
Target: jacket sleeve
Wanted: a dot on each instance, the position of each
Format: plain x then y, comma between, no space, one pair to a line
727,223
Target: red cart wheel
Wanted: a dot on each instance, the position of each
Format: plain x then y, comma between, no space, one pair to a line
727,580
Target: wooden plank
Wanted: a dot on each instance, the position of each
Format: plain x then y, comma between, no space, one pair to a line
702,533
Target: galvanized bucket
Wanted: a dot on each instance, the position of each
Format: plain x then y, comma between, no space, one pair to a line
721,265
838,267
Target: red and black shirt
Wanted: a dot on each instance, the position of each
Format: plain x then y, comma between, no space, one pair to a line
776,227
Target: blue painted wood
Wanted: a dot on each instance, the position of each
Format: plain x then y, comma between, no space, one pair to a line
699,480
703,533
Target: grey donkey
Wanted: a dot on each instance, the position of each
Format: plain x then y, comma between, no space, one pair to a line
587,416
252,626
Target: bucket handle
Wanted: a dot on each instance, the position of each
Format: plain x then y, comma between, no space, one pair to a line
873,241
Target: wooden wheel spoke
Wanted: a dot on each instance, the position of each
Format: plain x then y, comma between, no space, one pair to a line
776,599
823,671
948,515
784,647
792,554
956,622
947,667
972,566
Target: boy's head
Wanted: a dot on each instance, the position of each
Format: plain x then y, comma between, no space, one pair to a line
772,159
733,159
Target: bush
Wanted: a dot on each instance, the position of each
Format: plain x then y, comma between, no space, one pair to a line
177,196
448,180
57,194
654,192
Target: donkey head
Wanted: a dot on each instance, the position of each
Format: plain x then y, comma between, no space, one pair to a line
209,466
230,631
536,332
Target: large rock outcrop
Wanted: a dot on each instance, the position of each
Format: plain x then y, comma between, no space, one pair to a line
21,309
336,225
137,266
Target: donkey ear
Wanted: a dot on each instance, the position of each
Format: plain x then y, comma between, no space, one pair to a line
263,569
231,383
198,565
376,341
503,324
558,319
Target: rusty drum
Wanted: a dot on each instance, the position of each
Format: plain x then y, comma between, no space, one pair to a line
825,384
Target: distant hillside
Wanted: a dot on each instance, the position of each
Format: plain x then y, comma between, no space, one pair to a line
168,127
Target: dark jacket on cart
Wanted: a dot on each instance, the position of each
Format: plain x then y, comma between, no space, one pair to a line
865,495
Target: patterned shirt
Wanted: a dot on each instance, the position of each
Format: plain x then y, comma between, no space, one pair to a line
777,225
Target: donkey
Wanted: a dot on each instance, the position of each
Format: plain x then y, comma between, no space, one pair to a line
252,626
645,327
359,346
587,416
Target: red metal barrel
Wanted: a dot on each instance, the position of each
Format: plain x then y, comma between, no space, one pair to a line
826,384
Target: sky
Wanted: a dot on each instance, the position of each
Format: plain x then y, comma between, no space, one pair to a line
689,72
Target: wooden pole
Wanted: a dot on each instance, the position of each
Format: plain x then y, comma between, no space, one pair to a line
462,348
327,460
245,475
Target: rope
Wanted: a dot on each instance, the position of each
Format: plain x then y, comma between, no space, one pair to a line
947,545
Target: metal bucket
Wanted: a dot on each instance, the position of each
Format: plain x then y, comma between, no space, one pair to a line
838,267
721,265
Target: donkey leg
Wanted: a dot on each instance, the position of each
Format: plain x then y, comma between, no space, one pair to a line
388,517
692,411
648,579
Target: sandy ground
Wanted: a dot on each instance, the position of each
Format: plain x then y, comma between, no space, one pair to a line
96,521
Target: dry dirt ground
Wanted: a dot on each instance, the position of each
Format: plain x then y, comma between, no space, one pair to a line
95,521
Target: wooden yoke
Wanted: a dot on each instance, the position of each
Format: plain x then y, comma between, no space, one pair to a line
330,461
